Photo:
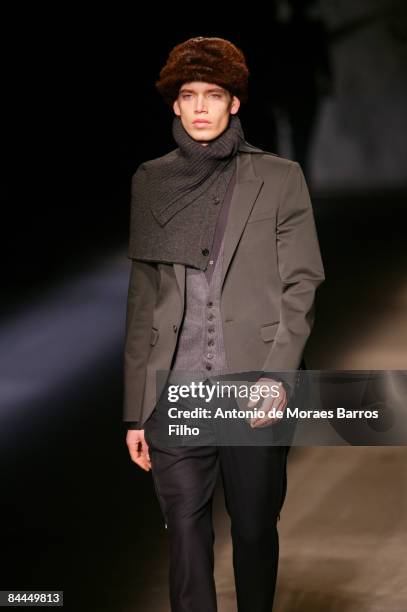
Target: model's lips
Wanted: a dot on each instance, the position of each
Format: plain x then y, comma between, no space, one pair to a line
201,122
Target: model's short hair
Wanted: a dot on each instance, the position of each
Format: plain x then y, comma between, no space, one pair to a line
209,59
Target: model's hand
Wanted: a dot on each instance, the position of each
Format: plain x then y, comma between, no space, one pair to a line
269,402
138,448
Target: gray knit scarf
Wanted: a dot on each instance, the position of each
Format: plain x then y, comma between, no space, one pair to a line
173,217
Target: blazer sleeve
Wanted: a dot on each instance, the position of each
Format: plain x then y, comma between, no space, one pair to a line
301,272
132,425
141,298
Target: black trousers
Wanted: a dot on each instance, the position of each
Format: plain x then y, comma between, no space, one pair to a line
254,481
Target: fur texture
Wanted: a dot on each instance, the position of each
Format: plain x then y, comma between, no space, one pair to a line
209,59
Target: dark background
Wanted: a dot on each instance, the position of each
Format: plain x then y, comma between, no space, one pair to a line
327,89
82,113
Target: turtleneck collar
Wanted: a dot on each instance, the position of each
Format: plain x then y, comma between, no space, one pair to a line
176,183
223,146
172,218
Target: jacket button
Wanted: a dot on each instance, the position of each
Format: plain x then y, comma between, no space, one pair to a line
205,251
174,327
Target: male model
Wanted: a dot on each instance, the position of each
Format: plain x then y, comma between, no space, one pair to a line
225,265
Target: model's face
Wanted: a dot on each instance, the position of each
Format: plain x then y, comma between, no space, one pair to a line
210,103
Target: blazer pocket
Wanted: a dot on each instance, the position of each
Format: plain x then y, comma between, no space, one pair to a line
269,331
261,216
154,335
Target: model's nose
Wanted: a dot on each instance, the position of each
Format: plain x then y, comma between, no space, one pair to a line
200,105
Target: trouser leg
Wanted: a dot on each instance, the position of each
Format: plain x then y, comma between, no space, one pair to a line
185,478
254,480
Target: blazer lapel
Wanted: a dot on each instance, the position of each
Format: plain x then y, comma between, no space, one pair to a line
244,195
247,187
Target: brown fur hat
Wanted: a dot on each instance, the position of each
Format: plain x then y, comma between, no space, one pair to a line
210,59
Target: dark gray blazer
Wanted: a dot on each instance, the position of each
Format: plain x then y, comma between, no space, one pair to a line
272,267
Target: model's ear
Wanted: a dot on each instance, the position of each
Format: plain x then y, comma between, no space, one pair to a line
235,105
176,108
